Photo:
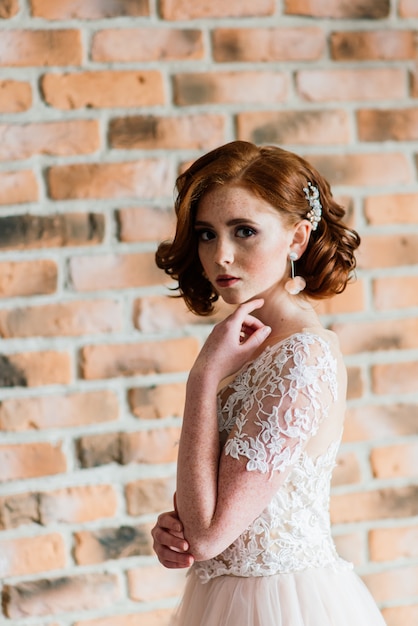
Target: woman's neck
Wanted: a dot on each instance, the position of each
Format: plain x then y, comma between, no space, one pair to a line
287,315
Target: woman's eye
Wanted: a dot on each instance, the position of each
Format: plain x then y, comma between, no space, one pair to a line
245,231
205,235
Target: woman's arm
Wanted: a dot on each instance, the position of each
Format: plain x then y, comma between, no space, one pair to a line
219,495
224,353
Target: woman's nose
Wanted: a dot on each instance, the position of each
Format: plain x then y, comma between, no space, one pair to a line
224,252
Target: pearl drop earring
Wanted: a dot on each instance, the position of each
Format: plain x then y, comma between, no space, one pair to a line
295,284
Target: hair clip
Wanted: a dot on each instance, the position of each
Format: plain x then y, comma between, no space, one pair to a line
315,213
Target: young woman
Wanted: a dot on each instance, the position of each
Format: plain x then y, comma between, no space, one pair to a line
265,399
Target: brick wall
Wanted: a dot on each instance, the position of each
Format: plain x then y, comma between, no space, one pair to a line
101,103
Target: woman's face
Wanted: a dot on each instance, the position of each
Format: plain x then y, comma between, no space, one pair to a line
243,244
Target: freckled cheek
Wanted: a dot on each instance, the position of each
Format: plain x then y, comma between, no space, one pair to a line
273,264
205,261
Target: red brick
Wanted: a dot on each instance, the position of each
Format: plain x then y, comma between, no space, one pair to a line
20,48
376,45
96,450
103,89
408,8
158,445
392,168
150,496
31,555
15,96
53,138
389,544
395,292
28,278
29,231
351,547
384,503
8,9
146,178
30,460
145,223
377,335
112,543
352,84
150,583
230,87
395,377
355,383
19,509
401,615
347,470
295,127
161,617
60,595
115,272
74,505
69,319
387,125
160,313
92,10
32,369
18,187
351,300
112,361
148,132
267,44
147,44
374,422
395,461
154,446
388,250
393,584
356,9
74,409
158,401
400,208
185,10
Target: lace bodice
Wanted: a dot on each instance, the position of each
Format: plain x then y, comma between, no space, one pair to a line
270,414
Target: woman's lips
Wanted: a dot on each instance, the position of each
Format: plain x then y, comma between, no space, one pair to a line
226,281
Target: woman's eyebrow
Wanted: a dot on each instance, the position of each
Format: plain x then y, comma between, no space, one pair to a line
233,222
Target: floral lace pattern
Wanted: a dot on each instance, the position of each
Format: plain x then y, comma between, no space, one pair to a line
272,408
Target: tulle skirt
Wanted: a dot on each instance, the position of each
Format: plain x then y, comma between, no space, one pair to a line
314,597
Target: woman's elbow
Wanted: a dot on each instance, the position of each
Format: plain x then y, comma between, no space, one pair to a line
204,546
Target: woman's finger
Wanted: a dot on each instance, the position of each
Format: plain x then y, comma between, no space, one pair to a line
170,521
250,324
174,560
168,540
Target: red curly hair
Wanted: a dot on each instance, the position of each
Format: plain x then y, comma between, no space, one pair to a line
278,177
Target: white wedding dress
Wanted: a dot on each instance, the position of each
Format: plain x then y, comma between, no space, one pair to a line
285,413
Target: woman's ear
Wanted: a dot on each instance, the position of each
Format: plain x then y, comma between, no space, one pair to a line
301,236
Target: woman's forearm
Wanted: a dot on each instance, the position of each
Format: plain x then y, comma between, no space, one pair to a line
198,461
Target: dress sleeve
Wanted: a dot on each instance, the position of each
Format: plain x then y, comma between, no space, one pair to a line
290,390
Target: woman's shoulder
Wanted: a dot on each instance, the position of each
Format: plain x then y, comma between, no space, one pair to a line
313,338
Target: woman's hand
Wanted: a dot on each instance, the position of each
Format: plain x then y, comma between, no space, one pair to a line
169,544
232,342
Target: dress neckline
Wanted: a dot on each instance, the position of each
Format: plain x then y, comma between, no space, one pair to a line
305,331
